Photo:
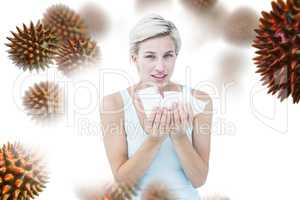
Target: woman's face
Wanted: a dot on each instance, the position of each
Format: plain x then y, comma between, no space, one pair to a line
155,60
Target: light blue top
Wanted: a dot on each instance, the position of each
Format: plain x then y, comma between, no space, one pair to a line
166,166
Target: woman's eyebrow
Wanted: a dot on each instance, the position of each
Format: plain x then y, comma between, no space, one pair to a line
171,51
151,52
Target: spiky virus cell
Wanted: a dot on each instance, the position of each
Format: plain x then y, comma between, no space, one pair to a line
157,191
199,5
278,43
65,22
43,101
32,47
21,175
119,191
239,25
77,55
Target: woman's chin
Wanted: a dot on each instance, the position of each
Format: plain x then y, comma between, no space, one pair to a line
161,83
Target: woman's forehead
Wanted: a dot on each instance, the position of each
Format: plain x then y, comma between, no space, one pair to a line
158,44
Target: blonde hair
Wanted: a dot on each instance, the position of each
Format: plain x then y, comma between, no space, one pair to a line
153,26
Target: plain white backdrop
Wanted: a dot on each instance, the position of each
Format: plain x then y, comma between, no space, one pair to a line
254,151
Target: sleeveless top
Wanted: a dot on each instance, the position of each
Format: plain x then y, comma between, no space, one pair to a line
165,167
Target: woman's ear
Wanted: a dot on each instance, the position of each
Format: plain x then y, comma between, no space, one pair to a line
134,61
134,58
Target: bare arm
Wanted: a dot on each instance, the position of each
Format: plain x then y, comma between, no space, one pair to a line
114,136
195,158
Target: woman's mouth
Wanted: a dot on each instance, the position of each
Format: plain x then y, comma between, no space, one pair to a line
160,77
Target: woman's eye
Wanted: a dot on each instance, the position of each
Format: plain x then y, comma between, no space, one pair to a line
149,56
168,55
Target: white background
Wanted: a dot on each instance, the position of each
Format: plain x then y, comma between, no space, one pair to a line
254,151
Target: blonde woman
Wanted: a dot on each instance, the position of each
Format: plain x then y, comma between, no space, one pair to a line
160,147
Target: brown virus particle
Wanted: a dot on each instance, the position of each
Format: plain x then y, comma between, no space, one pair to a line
239,26
21,174
143,5
231,66
95,18
43,101
278,43
210,25
199,5
32,47
119,191
157,191
65,22
77,55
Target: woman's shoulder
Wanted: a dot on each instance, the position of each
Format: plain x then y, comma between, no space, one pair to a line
112,101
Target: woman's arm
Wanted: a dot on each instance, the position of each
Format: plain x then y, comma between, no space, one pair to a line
195,158
112,121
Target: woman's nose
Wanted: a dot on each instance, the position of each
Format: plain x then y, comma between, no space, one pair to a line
160,65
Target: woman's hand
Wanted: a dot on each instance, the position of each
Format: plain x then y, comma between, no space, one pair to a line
158,125
182,118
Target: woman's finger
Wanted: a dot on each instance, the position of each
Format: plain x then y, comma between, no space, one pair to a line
150,120
157,118
172,120
168,121
163,119
176,115
182,114
153,114
190,114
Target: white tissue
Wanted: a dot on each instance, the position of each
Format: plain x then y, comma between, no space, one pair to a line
151,98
